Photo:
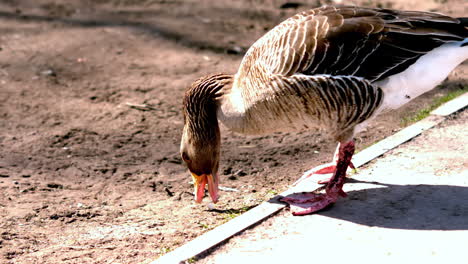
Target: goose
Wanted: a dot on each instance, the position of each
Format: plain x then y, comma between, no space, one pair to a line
332,68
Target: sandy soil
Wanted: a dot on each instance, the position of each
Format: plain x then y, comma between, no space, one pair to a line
90,123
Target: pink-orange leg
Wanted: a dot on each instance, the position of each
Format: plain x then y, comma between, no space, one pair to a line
306,203
324,169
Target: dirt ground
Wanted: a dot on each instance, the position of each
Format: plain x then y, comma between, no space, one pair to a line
90,123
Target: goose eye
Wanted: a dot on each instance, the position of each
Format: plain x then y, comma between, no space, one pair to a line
185,157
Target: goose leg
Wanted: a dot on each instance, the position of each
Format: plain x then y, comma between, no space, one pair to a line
306,203
324,169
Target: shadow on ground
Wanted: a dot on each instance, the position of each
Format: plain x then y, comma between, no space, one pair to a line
417,207
178,25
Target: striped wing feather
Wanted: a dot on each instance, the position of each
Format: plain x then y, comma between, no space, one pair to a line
318,67
368,43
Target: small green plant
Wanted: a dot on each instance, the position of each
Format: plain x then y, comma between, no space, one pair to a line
233,213
164,250
272,192
203,225
191,260
423,113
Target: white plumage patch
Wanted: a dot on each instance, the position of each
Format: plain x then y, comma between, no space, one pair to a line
232,111
428,71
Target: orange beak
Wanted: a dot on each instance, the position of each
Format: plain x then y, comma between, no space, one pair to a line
199,183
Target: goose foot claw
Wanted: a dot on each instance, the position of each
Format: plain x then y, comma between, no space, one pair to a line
307,203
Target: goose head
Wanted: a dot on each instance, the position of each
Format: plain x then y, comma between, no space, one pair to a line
201,139
201,155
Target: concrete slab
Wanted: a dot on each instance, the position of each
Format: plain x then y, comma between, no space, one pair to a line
409,205
451,106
